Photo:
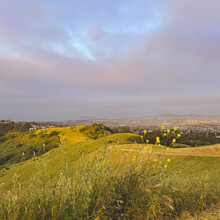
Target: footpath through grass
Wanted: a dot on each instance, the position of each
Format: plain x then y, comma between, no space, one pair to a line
90,180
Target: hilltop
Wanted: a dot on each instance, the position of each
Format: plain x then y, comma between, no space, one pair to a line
92,172
53,144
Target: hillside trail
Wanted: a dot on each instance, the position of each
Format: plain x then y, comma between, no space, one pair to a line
168,153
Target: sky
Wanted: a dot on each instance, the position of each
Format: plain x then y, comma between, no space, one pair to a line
69,59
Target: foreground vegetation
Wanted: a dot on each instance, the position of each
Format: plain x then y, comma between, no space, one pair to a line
92,178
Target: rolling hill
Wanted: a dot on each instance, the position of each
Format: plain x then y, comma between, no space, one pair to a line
95,174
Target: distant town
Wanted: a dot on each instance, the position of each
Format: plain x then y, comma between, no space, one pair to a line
184,123
195,130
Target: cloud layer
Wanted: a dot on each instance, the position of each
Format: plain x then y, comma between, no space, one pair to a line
64,60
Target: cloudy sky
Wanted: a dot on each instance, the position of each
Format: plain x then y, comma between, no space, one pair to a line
68,59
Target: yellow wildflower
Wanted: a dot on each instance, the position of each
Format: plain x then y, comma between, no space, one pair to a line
167,148
178,135
168,160
175,128
174,140
157,140
164,134
145,131
147,141
155,160
134,158
162,127
168,131
165,166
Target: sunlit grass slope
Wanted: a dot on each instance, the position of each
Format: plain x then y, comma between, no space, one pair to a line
20,146
210,150
91,180
109,178
73,143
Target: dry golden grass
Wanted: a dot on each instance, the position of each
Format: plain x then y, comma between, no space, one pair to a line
212,150
95,179
210,214
206,150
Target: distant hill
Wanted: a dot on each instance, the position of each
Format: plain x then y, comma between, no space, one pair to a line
20,146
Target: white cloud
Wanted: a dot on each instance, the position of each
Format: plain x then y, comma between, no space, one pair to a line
140,55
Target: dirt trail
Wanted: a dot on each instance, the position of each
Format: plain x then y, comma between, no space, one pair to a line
169,153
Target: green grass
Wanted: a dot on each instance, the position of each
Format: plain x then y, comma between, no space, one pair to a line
20,146
74,143
16,147
88,179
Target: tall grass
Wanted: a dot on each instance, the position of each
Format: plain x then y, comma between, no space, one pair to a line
104,185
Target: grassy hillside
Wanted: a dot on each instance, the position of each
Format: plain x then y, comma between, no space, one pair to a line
109,178
19,146
74,143
210,150
16,147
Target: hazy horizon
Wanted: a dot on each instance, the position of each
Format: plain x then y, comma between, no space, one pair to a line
114,59
134,117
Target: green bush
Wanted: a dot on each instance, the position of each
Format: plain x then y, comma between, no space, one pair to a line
135,139
96,130
53,133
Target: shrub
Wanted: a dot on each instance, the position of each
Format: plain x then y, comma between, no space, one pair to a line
96,130
6,158
135,139
53,133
